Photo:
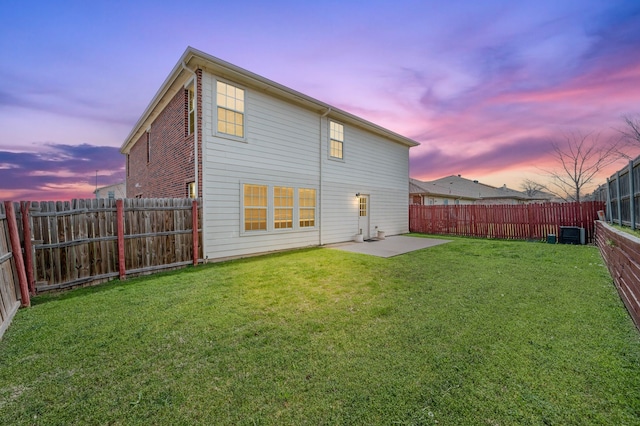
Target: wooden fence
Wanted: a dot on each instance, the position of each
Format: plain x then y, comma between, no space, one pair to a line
517,222
621,253
69,244
9,290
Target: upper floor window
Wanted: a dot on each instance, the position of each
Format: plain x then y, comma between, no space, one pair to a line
230,102
336,140
191,108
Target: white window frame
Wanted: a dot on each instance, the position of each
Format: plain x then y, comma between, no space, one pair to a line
301,208
332,139
243,209
225,135
271,208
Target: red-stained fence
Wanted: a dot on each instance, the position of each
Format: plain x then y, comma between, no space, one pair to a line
621,253
512,222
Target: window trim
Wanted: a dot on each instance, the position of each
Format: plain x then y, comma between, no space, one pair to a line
191,108
300,208
191,190
148,146
291,208
224,135
331,140
271,207
243,207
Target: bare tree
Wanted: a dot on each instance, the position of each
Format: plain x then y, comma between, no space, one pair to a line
532,188
631,132
580,157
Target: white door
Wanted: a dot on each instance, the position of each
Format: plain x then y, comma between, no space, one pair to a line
363,216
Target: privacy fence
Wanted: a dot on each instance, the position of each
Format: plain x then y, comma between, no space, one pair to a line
69,244
516,222
11,268
622,195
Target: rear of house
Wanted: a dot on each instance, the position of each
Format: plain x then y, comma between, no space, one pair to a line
276,169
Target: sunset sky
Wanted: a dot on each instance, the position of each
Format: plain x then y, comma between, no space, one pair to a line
483,86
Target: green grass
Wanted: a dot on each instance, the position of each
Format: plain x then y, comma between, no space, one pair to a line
473,332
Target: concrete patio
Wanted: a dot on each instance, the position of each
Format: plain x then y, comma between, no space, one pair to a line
390,246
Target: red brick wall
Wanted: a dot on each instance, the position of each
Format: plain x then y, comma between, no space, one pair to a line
171,164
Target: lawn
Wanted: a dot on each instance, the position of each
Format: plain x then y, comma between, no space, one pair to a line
473,332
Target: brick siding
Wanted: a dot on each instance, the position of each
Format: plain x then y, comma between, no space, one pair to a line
171,165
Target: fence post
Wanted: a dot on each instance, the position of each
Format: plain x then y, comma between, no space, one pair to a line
609,216
28,248
194,231
120,225
632,202
16,249
618,198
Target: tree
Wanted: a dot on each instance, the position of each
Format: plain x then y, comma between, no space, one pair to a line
580,157
532,188
631,132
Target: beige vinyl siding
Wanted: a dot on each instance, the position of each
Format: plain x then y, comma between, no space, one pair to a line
280,149
283,147
372,166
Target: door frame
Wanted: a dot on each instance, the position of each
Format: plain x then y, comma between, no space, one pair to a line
364,221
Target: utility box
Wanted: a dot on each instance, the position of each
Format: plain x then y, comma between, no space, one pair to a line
551,238
571,235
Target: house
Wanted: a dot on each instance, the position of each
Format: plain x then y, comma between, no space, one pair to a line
116,190
276,169
458,190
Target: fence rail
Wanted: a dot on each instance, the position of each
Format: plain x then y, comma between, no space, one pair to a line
74,243
517,222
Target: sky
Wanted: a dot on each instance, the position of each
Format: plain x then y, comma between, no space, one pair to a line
484,87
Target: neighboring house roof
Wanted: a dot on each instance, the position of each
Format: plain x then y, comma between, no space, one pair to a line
459,187
193,59
119,190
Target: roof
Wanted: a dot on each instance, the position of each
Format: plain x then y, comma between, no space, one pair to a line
193,59
459,187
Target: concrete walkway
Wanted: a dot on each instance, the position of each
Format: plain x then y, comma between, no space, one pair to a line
390,246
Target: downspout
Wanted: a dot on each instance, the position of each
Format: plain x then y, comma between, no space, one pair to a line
195,125
195,150
320,159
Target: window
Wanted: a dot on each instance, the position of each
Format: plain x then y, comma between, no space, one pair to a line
127,165
337,139
111,195
148,147
307,205
230,101
255,207
191,107
363,206
283,207
191,190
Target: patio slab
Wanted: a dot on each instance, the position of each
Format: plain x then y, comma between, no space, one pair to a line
390,246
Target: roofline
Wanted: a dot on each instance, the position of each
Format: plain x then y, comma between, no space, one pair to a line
199,59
